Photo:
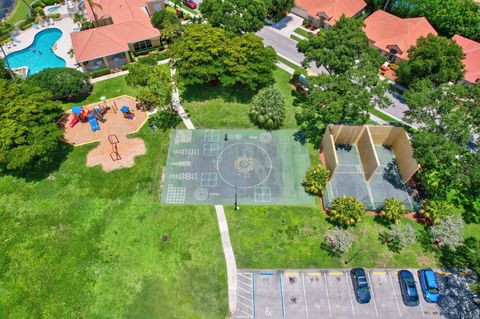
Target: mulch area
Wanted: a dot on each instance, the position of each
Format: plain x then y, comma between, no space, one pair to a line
114,124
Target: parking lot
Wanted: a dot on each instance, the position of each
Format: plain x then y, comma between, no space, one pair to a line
329,294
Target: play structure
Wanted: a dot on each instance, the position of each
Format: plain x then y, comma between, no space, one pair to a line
114,155
81,114
127,113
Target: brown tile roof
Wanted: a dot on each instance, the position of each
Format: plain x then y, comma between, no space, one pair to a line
387,31
334,9
472,57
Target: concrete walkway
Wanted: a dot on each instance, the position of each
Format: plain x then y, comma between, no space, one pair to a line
108,76
176,102
229,258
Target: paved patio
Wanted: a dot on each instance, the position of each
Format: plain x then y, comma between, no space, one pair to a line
115,124
63,45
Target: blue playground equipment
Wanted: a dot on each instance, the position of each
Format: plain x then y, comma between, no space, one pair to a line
127,112
93,122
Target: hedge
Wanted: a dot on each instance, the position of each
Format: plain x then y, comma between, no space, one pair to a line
97,73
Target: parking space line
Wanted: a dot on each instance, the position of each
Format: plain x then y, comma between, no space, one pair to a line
245,290
379,272
313,274
335,273
305,294
328,297
350,293
373,295
394,293
281,294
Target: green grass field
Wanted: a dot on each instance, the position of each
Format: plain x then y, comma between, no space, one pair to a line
295,38
303,32
291,237
20,12
81,243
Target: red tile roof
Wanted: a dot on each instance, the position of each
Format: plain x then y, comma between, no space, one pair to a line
334,9
387,31
472,57
131,23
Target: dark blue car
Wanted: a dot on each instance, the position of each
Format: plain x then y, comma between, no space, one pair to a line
429,285
408,288
360,285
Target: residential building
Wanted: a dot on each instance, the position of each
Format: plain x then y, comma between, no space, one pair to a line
393,36
120,27
472,58
325,13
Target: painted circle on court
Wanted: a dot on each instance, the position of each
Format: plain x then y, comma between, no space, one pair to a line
244,165
265,137
200,194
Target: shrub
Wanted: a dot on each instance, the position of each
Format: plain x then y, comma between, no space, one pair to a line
338,241
97,73
398,237
63,83
267,109
316,179
435,210
25,25
54,16
164,120
448,232
393,210
346,211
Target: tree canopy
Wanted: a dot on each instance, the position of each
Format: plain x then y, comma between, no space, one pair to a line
341,48
29,136
153,82
434,58
267,109
276,9
446,144
238,16
64,83
448,17
205,54
168,23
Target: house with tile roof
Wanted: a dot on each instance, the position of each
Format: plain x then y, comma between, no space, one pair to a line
472,58
120,27
393,36
325,13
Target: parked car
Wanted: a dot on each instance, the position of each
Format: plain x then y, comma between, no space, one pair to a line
360,285
429,285
190,3
408,288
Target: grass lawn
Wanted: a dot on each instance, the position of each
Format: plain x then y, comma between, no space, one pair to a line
294,37
292,65
228,108
109,88
20,12
291,237
382,115
81,243
303,32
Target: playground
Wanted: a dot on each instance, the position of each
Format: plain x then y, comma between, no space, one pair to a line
108,122
251,167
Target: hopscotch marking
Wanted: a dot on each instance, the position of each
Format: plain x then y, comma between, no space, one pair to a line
175,195
211,136
208,179
263,194
210,149
187,151
183,137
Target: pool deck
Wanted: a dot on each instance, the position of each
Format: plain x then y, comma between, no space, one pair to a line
63,45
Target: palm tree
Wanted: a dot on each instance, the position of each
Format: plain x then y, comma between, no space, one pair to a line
387,3
93,5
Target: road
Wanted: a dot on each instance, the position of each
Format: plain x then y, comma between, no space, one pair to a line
287,48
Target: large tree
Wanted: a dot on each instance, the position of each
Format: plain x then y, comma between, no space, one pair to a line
267,109
153,83
442,145
64,83
29,136
168,23
448,17
337,99
237,16
341,48
434,58
276,9
205,54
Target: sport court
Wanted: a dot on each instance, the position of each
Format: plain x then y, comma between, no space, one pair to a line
254,166
364,165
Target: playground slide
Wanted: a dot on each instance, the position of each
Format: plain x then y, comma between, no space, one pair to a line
74,121
94,124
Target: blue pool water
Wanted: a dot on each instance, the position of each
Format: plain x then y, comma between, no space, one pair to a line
53,9
39,55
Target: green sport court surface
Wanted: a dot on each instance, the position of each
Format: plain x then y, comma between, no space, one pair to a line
262,168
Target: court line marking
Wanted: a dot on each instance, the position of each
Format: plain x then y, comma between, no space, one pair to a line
373,295
281,293
350,294
328,296
394,293
305,294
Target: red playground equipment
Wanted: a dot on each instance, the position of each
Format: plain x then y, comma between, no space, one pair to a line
127,112
85,116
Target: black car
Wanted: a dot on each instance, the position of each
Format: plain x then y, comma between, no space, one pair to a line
360,285
408,288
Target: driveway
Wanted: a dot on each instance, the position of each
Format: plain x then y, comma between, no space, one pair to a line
328,293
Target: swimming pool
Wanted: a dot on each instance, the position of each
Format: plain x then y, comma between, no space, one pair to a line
53,9
39,55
